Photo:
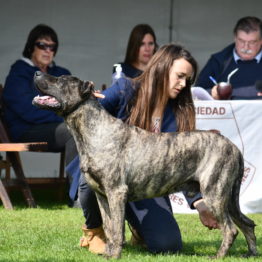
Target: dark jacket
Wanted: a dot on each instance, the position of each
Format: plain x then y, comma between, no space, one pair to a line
243,81
119,95
19,91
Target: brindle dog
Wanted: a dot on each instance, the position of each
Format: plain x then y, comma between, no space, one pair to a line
125,163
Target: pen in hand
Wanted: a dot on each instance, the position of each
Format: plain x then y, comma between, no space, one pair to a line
213,80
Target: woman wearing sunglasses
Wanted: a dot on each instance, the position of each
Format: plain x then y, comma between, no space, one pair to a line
26,122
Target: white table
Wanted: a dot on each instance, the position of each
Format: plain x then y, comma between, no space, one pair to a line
241,122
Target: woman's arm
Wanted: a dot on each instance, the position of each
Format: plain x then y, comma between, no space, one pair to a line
117,98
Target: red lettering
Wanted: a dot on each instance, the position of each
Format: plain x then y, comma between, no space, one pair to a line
246,174
222,110
178,200
210,110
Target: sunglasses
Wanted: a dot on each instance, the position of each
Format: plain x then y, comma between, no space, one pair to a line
44,46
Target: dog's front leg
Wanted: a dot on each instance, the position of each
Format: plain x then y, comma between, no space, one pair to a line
116,199
106,218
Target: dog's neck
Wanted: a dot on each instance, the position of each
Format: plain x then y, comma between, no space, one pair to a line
90,117
67,113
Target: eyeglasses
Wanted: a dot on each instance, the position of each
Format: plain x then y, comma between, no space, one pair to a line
249,43
44,46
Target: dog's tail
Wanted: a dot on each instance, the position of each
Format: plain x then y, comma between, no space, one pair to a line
234,208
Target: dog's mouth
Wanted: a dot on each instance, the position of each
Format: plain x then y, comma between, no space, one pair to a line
46,101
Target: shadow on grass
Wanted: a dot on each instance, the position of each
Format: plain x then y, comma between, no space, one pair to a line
129,248
46,198
193,249
239,248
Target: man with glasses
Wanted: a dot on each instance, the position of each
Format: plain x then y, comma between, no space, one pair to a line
245,54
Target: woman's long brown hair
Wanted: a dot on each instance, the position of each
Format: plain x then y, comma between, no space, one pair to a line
153,90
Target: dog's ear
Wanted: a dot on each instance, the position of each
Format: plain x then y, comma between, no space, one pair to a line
87,89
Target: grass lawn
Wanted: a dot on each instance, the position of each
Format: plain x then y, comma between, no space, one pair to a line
52,231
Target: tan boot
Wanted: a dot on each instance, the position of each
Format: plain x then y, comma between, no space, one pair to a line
136,239
93,239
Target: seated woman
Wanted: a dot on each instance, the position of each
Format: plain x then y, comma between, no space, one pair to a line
26,122
140,48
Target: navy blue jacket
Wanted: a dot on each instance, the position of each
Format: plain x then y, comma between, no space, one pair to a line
19,91
118,96
243,81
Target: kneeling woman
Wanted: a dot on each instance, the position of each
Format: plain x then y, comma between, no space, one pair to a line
158,101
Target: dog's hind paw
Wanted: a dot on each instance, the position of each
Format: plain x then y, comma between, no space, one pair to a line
250,254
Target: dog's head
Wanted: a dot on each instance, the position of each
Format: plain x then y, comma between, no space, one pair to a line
61,94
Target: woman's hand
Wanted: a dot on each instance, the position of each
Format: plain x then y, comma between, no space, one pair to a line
97,94
206,217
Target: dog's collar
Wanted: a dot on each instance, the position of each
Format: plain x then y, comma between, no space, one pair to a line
76,106
73,108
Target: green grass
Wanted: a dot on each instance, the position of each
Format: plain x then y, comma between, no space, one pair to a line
52,231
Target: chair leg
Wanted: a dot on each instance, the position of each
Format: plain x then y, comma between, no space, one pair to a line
61,176
4,197
62,165
14,158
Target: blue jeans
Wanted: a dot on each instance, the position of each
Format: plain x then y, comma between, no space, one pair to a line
152,218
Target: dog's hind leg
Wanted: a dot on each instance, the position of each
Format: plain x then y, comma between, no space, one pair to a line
228,228
246,225
229,233
249,233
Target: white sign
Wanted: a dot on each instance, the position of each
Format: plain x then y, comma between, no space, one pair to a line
241,122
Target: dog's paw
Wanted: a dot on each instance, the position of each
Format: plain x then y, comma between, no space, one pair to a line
112,252
250,254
